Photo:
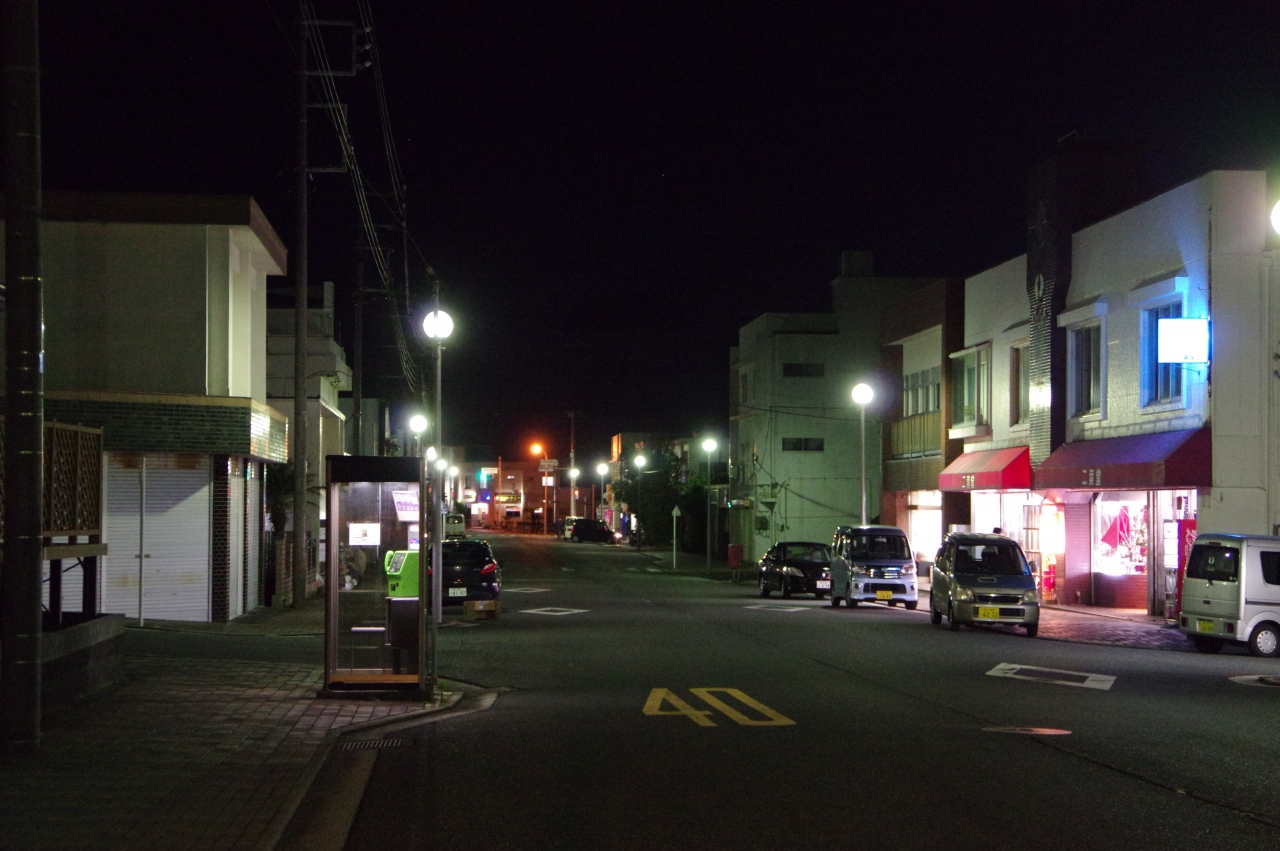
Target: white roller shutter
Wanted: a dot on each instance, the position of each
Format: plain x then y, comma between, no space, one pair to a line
253,532
176,574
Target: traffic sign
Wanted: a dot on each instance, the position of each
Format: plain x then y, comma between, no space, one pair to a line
547,465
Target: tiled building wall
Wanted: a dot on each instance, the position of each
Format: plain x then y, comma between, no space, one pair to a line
220,538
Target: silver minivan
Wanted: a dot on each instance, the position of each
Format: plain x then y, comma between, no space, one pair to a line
1231,592
872,564
983,579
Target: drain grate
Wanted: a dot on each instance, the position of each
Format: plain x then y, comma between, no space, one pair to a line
374,744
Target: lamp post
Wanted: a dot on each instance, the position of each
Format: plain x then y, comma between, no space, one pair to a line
538,449
862,395
639,461
453,489
437,325
573,492
418,424
709,446
601,469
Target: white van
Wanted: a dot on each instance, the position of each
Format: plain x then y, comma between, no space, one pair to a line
455,526
1231,592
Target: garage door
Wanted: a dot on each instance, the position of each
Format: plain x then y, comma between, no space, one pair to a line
174,529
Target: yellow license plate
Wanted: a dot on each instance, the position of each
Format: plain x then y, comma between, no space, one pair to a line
884,595
1204,626
988,612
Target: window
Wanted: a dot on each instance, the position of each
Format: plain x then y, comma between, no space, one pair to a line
1085,364
1161,382
1019,384
803,444
971,387
922,392
1270,567
744,387
803,370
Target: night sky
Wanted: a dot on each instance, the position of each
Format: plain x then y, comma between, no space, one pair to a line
609,190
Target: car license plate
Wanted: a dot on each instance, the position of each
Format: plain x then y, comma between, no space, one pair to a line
1204,626
884,595
988,612
823,584
457,592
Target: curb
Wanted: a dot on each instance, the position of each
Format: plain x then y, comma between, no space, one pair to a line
275,834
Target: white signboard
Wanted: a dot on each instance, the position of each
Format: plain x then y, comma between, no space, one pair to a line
548,481
547,465
1182,341
406,505
364,534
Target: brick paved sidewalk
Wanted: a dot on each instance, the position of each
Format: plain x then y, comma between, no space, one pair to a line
182,754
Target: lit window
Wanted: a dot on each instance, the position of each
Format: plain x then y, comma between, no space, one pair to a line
971,387
1085,363
1161,382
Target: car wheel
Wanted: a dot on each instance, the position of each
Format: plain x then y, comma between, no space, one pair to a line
1208,643
1265,640
1033,629
951,618
848,597
911,605
835,600
577,539
764,589
785,588
935,616
893,603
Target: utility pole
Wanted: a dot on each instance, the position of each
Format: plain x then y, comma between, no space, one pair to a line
22,576
298,453
573,465
357,371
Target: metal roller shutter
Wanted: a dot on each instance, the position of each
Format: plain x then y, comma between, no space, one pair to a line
177,521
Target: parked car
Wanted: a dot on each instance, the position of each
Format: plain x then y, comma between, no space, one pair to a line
872,564
469,572
455,526
796,567
563,526
592,530
980,578
1231,592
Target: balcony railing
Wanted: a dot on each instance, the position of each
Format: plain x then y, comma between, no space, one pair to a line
72,480
915,437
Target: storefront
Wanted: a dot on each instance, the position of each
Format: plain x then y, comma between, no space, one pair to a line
1127,503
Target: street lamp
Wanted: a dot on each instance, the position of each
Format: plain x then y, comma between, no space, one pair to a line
538,449
601,469
438,326
417,425
709,446
453,486
862,396
639,461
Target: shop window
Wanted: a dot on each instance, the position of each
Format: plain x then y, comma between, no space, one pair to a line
1019,384
803,444
971,387
803,370
1270,568
1084,360
1122,534
1161,382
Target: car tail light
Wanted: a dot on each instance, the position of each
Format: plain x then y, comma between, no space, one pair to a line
491,567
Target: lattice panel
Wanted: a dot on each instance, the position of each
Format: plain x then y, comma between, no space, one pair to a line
72,480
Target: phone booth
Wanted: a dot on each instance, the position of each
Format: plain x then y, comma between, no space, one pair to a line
375,635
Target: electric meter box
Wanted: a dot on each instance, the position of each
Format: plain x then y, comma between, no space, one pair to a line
402,573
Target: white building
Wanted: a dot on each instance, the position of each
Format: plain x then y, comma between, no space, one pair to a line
1152,449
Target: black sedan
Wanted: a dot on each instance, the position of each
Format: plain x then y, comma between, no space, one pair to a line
796,567
470,572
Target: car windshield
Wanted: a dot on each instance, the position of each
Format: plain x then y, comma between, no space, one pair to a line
816,553
465,552
990,558
879,546
1214,563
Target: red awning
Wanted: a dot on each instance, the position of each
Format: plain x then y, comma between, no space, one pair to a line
1167,459
989,469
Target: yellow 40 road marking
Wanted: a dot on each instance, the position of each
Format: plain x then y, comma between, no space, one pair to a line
701,717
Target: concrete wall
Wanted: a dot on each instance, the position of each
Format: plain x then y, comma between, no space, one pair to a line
997,312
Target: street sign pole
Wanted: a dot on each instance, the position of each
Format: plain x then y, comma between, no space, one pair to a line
675,513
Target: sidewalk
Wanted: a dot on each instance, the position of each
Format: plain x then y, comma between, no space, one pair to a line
182,754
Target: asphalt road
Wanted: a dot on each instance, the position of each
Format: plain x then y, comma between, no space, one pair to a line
641,709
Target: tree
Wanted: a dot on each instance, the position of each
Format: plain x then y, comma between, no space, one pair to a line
651,493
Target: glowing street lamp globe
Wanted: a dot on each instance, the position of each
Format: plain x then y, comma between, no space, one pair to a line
417,423
602,468
862,395
640,461
437,325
